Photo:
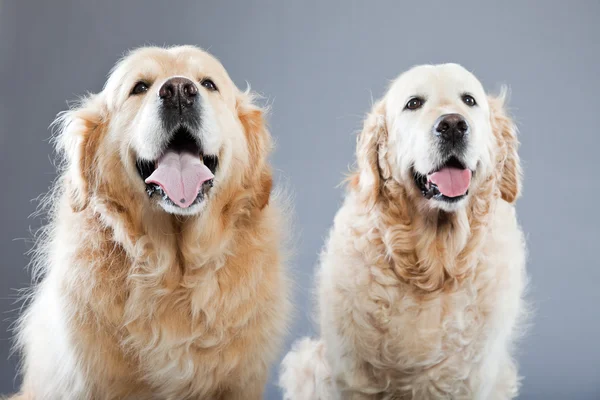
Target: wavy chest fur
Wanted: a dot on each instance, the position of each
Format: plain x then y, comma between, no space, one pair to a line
171,318
404,337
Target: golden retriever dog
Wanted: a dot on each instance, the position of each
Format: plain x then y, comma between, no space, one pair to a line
421,282
162,264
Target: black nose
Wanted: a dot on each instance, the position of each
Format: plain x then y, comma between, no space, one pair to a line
178,93
451,127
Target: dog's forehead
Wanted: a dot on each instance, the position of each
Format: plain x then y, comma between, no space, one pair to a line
432,80
173,60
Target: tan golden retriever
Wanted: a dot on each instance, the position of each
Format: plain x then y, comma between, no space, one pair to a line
421,281
162,262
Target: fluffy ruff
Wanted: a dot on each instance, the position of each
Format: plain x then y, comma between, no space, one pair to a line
417,302
134,302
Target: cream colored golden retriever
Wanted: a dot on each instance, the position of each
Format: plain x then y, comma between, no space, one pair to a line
162,261
421,282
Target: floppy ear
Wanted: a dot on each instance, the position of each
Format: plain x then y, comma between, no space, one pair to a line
260,145
370,154
506,134
77,140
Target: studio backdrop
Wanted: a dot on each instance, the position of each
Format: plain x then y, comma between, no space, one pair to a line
320,65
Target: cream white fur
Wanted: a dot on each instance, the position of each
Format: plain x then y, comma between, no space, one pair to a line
388,331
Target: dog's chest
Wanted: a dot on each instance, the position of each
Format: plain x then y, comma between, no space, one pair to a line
424,334
443,338
204,331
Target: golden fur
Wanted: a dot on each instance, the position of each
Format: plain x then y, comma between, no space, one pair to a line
138,303
419,300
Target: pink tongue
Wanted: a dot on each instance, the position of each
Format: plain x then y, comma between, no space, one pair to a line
180,175
452,182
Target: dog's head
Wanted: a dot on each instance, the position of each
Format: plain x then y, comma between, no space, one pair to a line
439,136
169,129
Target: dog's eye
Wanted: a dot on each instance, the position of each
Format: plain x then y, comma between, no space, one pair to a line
209,84
414,103
469,100
139,88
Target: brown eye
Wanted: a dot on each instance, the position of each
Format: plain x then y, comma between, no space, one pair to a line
139,88
209,84
469,100
414,103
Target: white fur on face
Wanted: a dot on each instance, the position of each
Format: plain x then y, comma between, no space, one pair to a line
148,135
412,144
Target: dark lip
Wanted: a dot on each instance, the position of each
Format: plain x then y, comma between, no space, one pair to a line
153,189
432,191
182,140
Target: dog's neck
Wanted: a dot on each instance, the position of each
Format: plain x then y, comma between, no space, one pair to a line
434,250
148,231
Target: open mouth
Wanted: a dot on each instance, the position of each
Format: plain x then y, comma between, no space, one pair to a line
183,174
450,182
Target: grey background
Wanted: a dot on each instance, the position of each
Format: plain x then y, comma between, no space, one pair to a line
319,63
